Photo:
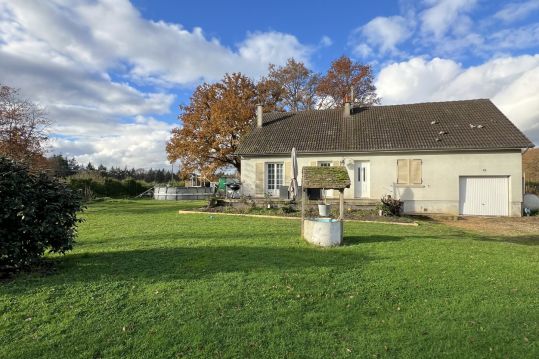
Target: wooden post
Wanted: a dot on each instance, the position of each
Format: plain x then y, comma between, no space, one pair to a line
341,204
303,195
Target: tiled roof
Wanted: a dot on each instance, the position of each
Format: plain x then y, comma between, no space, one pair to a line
325,177
454,125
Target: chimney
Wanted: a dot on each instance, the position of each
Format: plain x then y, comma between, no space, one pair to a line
347,109
258,115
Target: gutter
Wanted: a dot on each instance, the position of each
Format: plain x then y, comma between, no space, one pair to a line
385,151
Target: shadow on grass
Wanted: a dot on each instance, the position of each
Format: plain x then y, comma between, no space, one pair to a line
527,240
191,263
356,240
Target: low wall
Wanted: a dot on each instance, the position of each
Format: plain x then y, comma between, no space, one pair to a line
323,232
181,193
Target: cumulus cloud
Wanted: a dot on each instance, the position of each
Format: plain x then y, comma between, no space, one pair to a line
382,33
512,83
138,144
98,66
272,47
448,29
441,15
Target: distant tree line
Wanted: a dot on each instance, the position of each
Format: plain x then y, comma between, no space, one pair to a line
60,166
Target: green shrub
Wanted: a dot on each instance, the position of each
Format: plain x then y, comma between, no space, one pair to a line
390,206
288,208
37,213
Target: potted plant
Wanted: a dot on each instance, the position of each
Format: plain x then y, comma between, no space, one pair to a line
323,207
269,202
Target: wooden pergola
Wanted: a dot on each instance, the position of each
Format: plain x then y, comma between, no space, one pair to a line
314,177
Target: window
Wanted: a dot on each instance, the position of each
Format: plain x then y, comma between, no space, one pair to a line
409,171
324,163
274,177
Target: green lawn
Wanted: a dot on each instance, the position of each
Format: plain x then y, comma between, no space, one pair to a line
146,282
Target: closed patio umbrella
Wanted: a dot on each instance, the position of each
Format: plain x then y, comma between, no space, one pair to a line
293,189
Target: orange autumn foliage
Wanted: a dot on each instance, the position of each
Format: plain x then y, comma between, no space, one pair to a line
334,88
213,122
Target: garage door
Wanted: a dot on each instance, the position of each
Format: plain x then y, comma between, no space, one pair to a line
484,196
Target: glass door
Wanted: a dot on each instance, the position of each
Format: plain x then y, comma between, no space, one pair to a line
274,178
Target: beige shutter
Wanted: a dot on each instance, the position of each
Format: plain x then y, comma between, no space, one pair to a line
336,163
415,171
259,179
313,163
287,172
403,172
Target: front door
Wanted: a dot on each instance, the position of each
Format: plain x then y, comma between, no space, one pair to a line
362,179
274,178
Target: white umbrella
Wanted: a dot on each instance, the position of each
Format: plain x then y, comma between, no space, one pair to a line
293,188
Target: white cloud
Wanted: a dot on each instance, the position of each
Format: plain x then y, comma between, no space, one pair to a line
106,33
512,83
272,47
517,10
83,60
442,15
515,38
326,41
414,80
383,33
139,144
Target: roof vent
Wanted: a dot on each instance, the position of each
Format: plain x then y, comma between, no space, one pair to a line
472,126
433,122
438,139
480,126
442,133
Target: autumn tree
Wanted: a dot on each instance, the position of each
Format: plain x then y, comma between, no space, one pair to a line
269,94
293,86
213,122
23,126
344,75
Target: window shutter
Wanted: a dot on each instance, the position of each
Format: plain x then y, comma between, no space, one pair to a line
403,172
415,171
313,163
336,164
259,179
287,173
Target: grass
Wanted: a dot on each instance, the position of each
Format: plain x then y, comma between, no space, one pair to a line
145,282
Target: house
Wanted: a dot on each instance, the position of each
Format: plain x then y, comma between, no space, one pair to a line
457,157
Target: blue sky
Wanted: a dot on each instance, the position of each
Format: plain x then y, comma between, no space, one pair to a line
111,73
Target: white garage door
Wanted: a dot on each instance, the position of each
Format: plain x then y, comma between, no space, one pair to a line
484,196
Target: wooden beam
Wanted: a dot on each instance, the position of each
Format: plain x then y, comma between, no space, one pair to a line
341,204
303,195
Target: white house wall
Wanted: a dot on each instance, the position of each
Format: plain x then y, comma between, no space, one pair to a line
439,191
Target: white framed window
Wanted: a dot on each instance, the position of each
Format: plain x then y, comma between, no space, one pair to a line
324,164
274,177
